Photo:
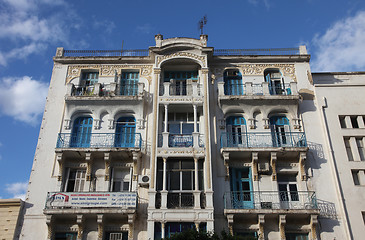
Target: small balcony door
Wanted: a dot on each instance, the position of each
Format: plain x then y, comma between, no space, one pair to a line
241,185
81,132
275,81
236,129
125,132
120,180
280,130
233,84
129,83
288,192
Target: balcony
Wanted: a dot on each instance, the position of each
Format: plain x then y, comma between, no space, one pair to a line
180,92
90,201
270,200
99,140
180,140
181,200
263,140
256,90
121,91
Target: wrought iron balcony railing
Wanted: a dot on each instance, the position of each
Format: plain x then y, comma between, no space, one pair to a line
107,89
180,89
125,200
270,200
262,140
180,200
243,89
180,140
99,140
282,89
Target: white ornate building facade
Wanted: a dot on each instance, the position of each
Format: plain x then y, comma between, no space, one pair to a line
141,144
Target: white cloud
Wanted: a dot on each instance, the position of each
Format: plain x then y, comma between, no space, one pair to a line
23,98
105,25
17,190
342,46
145,29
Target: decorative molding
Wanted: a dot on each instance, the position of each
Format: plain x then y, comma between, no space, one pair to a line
258,69
106,70
202,59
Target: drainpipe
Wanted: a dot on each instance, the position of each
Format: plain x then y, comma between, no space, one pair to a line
323,104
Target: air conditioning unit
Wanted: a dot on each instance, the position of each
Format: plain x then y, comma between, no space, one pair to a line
143,180
263,167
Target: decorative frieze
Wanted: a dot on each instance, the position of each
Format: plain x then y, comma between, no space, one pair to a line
202,59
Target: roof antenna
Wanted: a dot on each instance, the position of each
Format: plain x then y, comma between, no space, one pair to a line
201,23
121,51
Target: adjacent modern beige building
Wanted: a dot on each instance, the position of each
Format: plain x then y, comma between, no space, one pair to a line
141,144
10,218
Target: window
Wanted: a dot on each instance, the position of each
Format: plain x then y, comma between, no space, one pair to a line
129,83
81,132
342,121
125,132
75,180
233,84
276,82
116,236
87,82
363,216
354,122
296,236
180,81
66,236
280,130
288,191
177,227
348,149
241,187
181,127
358,176
120,180
236,131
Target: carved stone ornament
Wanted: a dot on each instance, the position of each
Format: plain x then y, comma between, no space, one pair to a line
258,69
182,54
74,71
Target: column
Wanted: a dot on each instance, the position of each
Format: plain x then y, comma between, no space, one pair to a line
107,166
220,88
313,225
273,158
166,88
49,222
89,171
131,226
261,221
255,157
230,223
226,160
196,191
99,221
80,226
164,191
195,133
196,226
348,122
282,222
302,159
135,170
60,165
165,134
163,230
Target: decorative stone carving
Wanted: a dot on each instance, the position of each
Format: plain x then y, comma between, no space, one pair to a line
258,69
282,222
302,159
273,166
261,220
255,158
313,224
202,59
107,165
106,70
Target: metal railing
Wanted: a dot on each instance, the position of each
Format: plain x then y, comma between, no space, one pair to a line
269,139
180,200
282,89
106,53
125,200
178,89
248,52
83,90
99,140
180,140
270,200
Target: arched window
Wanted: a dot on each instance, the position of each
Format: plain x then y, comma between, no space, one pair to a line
276,82
281,131
129,83
81,132
125,132
236,131
233,84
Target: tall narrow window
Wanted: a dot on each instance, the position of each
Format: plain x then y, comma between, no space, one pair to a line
241,188
180,81
129,83
87,82
236,132
348,149
355,176
342,121
288,191
81,132
233,84
75,180
181,127
125,132
120,179
281,131
276,82
354,122
360,148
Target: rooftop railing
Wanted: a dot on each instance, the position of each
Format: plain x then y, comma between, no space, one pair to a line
99,140
106,53
124,200
248,52
270,200
262,140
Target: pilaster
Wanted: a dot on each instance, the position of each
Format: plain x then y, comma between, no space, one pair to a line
282,222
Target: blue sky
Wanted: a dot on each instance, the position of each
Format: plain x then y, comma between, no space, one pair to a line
31,30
